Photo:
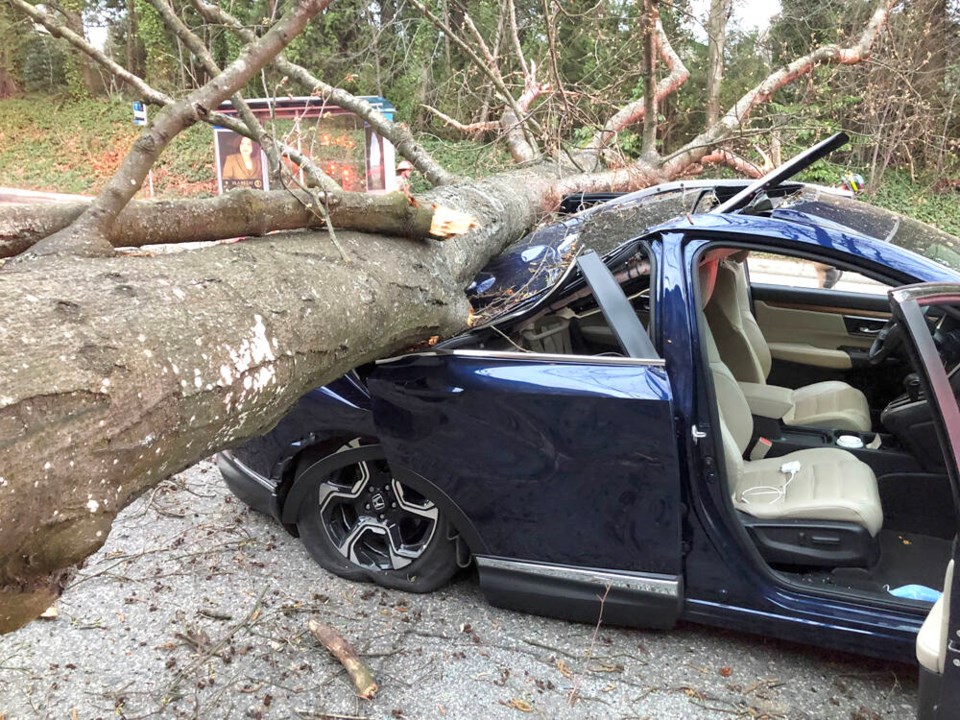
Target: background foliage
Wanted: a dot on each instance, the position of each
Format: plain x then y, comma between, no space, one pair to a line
903,106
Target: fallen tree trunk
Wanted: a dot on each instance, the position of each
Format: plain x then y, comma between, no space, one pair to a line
117,372
236,214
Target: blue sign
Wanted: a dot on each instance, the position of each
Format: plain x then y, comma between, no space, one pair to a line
139,113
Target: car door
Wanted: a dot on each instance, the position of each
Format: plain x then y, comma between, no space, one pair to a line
807,319
938,643
560,470
817,333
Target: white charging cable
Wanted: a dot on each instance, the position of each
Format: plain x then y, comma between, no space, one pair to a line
768,493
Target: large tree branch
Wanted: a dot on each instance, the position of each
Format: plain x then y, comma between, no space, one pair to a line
117,372
88,234
236,214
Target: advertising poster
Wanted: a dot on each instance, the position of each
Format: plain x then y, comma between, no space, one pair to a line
240,162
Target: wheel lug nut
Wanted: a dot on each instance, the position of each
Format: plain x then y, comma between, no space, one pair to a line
382,517
367,506
393,505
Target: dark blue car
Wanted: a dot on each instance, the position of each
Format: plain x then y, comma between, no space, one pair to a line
688,426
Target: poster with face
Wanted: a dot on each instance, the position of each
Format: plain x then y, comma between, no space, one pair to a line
240,162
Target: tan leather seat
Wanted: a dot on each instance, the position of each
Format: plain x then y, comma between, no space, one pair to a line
829,483
744,350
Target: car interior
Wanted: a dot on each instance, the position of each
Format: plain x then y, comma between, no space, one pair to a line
835,471
570,320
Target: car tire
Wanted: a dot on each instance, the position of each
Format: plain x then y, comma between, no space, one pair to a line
360,523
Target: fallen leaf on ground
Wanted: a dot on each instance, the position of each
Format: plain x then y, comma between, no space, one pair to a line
518,704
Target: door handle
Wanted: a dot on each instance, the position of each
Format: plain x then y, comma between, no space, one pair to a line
867,330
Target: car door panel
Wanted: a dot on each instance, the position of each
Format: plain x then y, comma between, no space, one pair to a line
824,325
566,466
570,461
817,335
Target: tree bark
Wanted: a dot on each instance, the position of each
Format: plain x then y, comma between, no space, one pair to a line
238,213
116,372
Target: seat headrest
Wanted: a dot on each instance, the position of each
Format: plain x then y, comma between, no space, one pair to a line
709,265
708,279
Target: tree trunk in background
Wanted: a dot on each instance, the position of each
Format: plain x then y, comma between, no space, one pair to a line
651,13
72,11
134,64
716,38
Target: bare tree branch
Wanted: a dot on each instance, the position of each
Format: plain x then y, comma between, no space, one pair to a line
635,111
730,159
523,152
515,37
468,128
271,146
716,38
736,117
396,133
651,18
87,236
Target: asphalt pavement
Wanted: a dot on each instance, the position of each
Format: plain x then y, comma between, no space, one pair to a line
197,607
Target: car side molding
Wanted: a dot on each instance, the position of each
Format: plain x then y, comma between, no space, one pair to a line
617,597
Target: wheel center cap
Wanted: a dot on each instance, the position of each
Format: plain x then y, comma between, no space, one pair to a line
377,502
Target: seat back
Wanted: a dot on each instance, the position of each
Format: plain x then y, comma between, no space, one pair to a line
733,412
736,421
738,336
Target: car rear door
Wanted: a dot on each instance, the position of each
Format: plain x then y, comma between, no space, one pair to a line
938,643
561,471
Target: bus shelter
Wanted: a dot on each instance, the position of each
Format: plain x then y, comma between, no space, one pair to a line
339,142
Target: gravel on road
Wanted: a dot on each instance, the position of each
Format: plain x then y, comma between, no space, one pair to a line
197,607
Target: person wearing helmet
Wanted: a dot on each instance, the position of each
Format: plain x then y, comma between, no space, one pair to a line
404,171
827,275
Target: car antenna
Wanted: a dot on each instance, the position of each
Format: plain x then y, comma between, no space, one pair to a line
782,173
